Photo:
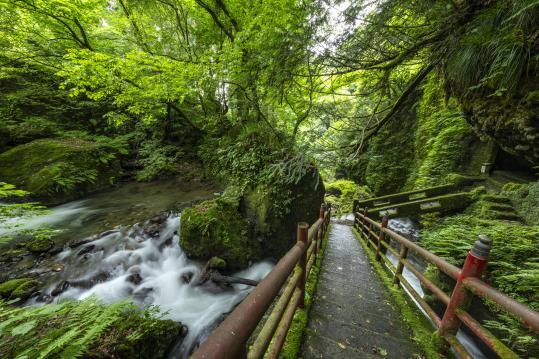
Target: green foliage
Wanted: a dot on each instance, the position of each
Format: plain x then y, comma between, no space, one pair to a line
67,166
441,140
342,193
157,159
83,328
513,265
256,158
525,199
495,50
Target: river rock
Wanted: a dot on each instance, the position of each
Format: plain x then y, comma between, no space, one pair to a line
57,267
187,277
87,249
60,288
134,278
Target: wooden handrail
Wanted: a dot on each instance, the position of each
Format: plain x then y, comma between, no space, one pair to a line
404,196
468,283
229,339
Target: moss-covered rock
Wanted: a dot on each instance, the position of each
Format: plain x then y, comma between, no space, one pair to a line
216,228
275,211
152,340
20,288
39,244
58,170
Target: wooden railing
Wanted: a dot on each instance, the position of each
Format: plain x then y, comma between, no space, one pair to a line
287,278
468,283
406,196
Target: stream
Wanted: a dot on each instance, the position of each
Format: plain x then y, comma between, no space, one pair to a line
143,262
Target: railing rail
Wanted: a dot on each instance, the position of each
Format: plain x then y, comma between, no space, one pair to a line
376,236
405,196
230,338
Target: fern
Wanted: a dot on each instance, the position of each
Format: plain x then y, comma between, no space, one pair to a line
71,329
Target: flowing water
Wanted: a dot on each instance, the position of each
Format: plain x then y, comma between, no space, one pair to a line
141,262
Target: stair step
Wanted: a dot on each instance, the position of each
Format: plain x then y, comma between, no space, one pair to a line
501,207
508,216
496,199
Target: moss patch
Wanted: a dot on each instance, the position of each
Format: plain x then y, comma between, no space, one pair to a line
62,169
20,288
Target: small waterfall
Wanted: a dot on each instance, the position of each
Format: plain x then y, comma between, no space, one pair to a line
151,269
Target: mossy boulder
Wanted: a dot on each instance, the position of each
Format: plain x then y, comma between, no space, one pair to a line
276,209
215,228
20,288
59,170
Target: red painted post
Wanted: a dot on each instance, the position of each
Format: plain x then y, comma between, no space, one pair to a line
474,265
381,238
303,237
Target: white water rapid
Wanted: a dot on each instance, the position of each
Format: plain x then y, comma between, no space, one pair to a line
150,270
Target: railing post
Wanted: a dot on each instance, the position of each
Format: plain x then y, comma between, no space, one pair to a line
474,265
403,253
303,229
364,227
381,238
320,232
354,211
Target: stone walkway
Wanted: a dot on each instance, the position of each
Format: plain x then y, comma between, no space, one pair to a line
352,314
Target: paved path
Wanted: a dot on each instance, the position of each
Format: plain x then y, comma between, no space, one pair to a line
352,315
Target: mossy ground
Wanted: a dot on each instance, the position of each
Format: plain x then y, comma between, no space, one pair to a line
525,199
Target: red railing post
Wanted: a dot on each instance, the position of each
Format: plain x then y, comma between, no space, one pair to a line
303,229
474,265
381,238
